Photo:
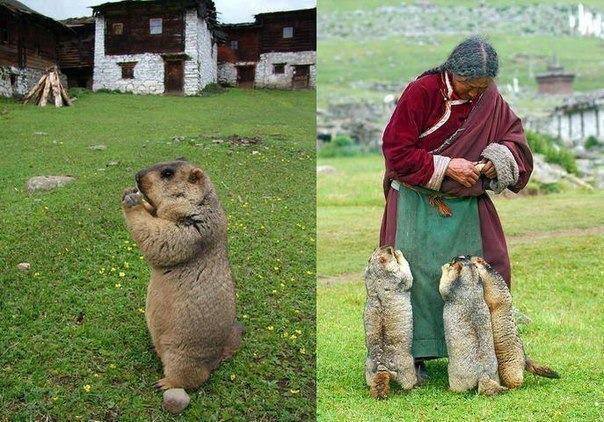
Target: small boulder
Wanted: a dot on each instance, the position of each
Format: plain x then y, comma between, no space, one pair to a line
24,266
46,183
176,400
98,147
326,170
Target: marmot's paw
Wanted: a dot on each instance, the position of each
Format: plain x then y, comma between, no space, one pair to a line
176,400
164,384
131,197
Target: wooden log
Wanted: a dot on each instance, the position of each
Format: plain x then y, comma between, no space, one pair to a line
65,96
35,90
44,96
56,89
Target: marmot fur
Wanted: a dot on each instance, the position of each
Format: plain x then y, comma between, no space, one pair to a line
176,219
388,322
467,323
511,358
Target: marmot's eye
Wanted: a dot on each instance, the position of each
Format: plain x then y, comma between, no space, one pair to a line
167,173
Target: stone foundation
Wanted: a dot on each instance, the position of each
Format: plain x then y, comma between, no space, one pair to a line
227,74
24,80
266,78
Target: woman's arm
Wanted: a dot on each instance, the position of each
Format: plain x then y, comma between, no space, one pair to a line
408,162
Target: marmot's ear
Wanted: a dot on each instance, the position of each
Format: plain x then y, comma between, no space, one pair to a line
196,175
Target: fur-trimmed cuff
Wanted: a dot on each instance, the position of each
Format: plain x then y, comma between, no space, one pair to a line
440,166
505,166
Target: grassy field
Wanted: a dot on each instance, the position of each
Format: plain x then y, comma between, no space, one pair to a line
349,64
556,243
74,344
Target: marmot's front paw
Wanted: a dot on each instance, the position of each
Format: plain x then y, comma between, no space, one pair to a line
131,197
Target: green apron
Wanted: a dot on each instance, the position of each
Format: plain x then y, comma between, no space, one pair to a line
429,240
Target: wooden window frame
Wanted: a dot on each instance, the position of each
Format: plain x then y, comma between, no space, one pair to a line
290,28
114,27
161,26
235,43
127,69
279,68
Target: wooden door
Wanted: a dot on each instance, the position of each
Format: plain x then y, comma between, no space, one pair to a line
173,77
301,77
246,76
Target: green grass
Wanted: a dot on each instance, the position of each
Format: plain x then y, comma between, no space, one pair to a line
66,325
349,5
556,282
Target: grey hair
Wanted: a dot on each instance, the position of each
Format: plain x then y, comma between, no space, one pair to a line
472,58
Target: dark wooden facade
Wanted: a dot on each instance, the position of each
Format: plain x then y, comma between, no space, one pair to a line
27,38
127,25
303,24
76,52
247,39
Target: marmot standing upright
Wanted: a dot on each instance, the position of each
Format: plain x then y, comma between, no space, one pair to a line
388,322
177,221
468,332
511,358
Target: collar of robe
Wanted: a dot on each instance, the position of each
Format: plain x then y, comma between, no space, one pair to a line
448,104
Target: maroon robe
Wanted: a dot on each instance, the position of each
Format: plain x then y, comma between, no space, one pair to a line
470,127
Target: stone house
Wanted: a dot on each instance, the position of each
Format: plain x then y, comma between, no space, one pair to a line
577,118
155,46
28,46
277,50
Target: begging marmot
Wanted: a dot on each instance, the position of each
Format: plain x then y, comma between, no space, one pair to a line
468,333
177,221
508,345
388,322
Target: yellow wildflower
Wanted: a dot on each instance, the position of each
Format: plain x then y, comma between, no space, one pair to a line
87,388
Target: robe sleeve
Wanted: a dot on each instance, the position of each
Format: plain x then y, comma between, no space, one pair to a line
405,161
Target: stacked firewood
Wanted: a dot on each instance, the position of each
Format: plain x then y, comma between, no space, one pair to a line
48,89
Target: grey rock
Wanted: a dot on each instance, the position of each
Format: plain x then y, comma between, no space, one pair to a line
326,170
113,163
98,147
46,183
176,400
24,266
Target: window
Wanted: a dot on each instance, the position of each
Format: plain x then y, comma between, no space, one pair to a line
4,38
234,45
279,68
155,26
127,70
288,32
117,28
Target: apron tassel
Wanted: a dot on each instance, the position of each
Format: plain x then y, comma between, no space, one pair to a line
440,205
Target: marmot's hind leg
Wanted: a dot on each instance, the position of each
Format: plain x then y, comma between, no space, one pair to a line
233,342
489,387
182,372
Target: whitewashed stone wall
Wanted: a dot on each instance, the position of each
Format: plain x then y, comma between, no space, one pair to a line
26,78
265,78
227,74
199,70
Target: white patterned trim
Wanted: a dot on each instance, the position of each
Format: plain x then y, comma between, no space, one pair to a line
448,104
440,166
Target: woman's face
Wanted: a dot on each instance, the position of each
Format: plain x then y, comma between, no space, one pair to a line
469,89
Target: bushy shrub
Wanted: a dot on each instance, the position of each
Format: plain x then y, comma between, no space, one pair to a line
592,142
340,146
212,89
551,150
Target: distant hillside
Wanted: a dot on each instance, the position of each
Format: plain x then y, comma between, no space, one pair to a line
370,48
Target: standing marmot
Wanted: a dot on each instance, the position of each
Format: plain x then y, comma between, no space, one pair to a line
468,333
508,345
388,322
180,227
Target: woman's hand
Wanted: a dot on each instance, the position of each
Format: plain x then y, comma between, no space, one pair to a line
463,171
489,170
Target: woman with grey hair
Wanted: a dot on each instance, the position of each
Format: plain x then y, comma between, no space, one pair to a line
451,138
